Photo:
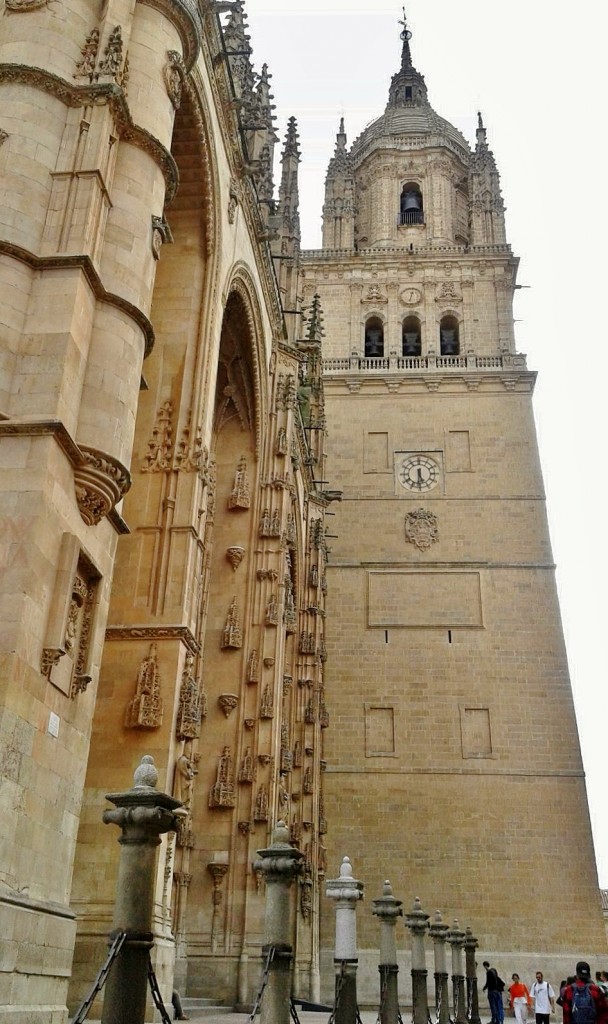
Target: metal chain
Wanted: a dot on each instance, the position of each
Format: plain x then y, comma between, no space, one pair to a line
439,1000
456,1007
383,992
156,996
83,1010
469,998
264,982
339,987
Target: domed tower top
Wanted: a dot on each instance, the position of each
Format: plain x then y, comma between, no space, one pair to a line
408,175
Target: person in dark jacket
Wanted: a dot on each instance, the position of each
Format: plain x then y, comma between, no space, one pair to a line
583,977
494,987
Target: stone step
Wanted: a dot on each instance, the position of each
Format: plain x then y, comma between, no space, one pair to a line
191,1004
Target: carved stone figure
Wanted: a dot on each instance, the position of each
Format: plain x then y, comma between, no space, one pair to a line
190,710
145,710
240,496
183,780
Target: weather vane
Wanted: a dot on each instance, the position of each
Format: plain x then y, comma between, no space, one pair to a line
406,34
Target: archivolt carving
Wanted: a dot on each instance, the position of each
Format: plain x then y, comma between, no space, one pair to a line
175,73
243,285
25,5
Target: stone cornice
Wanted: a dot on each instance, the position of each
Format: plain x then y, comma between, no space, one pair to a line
97,94
357,257
508,381
84,263
152,633
110,472
19,899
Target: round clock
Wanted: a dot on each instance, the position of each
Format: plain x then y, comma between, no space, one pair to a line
418,473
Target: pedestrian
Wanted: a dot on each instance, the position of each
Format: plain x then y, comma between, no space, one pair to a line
544,999
177,1006
601,978
494,986
582,1001
519,999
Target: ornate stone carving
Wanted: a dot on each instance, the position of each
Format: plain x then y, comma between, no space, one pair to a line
267,703
249,723
100,481
281,447
272,611
191,699
246,771
78,631
297,754
290,531
183,780
313,576
191,455
270,525
160,445
184,835
234,554
286,394
3,136
306,894
374,295
145,710
307,643
232,635
50,658
174,73
85,68
228,702
112,58
448,292
261,804
421,528
235,197
307,782
25,5
161,233
240,496
310,713
267,574
245,827
222,793
253,667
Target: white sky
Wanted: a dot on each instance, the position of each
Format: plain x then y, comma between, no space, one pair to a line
535,69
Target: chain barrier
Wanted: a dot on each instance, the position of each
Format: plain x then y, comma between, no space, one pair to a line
439,999
339,986
263,983
456,1006
156,996
83,1010
383,991
469,998
293,1012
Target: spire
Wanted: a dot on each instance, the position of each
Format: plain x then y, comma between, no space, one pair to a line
314,321
481,134
292,146
339,207
406,35
408,87
487,206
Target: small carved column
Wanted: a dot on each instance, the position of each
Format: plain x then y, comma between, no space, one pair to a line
217,870
347,892
438,932
279,864
143,814
470,945
388,909
417,922
456,939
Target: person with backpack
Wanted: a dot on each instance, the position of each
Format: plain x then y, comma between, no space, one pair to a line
583,1002
494,986
544,999
519,999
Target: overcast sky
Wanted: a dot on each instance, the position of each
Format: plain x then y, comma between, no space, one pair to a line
536,69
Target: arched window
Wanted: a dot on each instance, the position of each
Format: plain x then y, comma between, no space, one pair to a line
410,337
411,206
374,337
449,338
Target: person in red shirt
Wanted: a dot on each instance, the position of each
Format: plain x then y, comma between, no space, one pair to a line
583,977
519,999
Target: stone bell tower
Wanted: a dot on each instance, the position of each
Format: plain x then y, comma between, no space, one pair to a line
453,745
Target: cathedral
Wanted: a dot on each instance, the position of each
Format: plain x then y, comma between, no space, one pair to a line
274,517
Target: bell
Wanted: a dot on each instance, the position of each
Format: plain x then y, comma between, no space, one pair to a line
374,343
411,201
411,343
449,341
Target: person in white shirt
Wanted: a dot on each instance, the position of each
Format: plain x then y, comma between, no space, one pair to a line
544,999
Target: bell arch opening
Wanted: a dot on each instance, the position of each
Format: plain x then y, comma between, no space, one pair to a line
411,204
374,338
449,336
411,336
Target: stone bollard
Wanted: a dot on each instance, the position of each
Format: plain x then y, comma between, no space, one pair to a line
279,864
388,909
438,932
346,891
456,939
417,922
143,814
470,946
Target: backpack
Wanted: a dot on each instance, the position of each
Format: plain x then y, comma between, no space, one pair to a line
500,985
583,1005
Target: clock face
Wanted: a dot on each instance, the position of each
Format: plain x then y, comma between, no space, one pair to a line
418,473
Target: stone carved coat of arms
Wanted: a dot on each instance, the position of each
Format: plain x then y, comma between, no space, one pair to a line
421,528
